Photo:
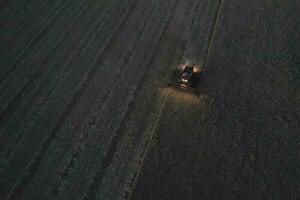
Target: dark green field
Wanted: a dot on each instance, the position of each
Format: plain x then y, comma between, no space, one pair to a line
85,111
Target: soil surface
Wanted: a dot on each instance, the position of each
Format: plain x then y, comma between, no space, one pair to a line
86,111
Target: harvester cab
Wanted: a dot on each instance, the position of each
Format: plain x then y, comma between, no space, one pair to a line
187,77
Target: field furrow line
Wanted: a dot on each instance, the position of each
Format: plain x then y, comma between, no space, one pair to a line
16,23
80,51
12,10
34,40
213,31
21,149
33,165
27,91
122,149
62,167
104,102
71,80
41,68
32,94
116,136
148,142
90,127
112,89
61,174
142,153
194,53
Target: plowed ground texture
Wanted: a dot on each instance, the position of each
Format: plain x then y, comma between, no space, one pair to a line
86,111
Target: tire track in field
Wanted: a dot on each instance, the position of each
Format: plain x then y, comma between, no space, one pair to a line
108,158
4,116
81,141
20,156
191,46
31,38
134,131
126,60
44,122
33,93
26,20
60,167
17,22
31,168
128,185
60,176
213,31
42,54
146,151
35,39
41,130
112,89
11,11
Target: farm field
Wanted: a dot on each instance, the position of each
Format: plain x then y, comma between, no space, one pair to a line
85,111
240,139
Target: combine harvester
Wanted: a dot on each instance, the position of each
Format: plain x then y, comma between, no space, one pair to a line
187,77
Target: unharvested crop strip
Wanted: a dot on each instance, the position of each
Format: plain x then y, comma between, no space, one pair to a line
213,32
198,10
203,22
